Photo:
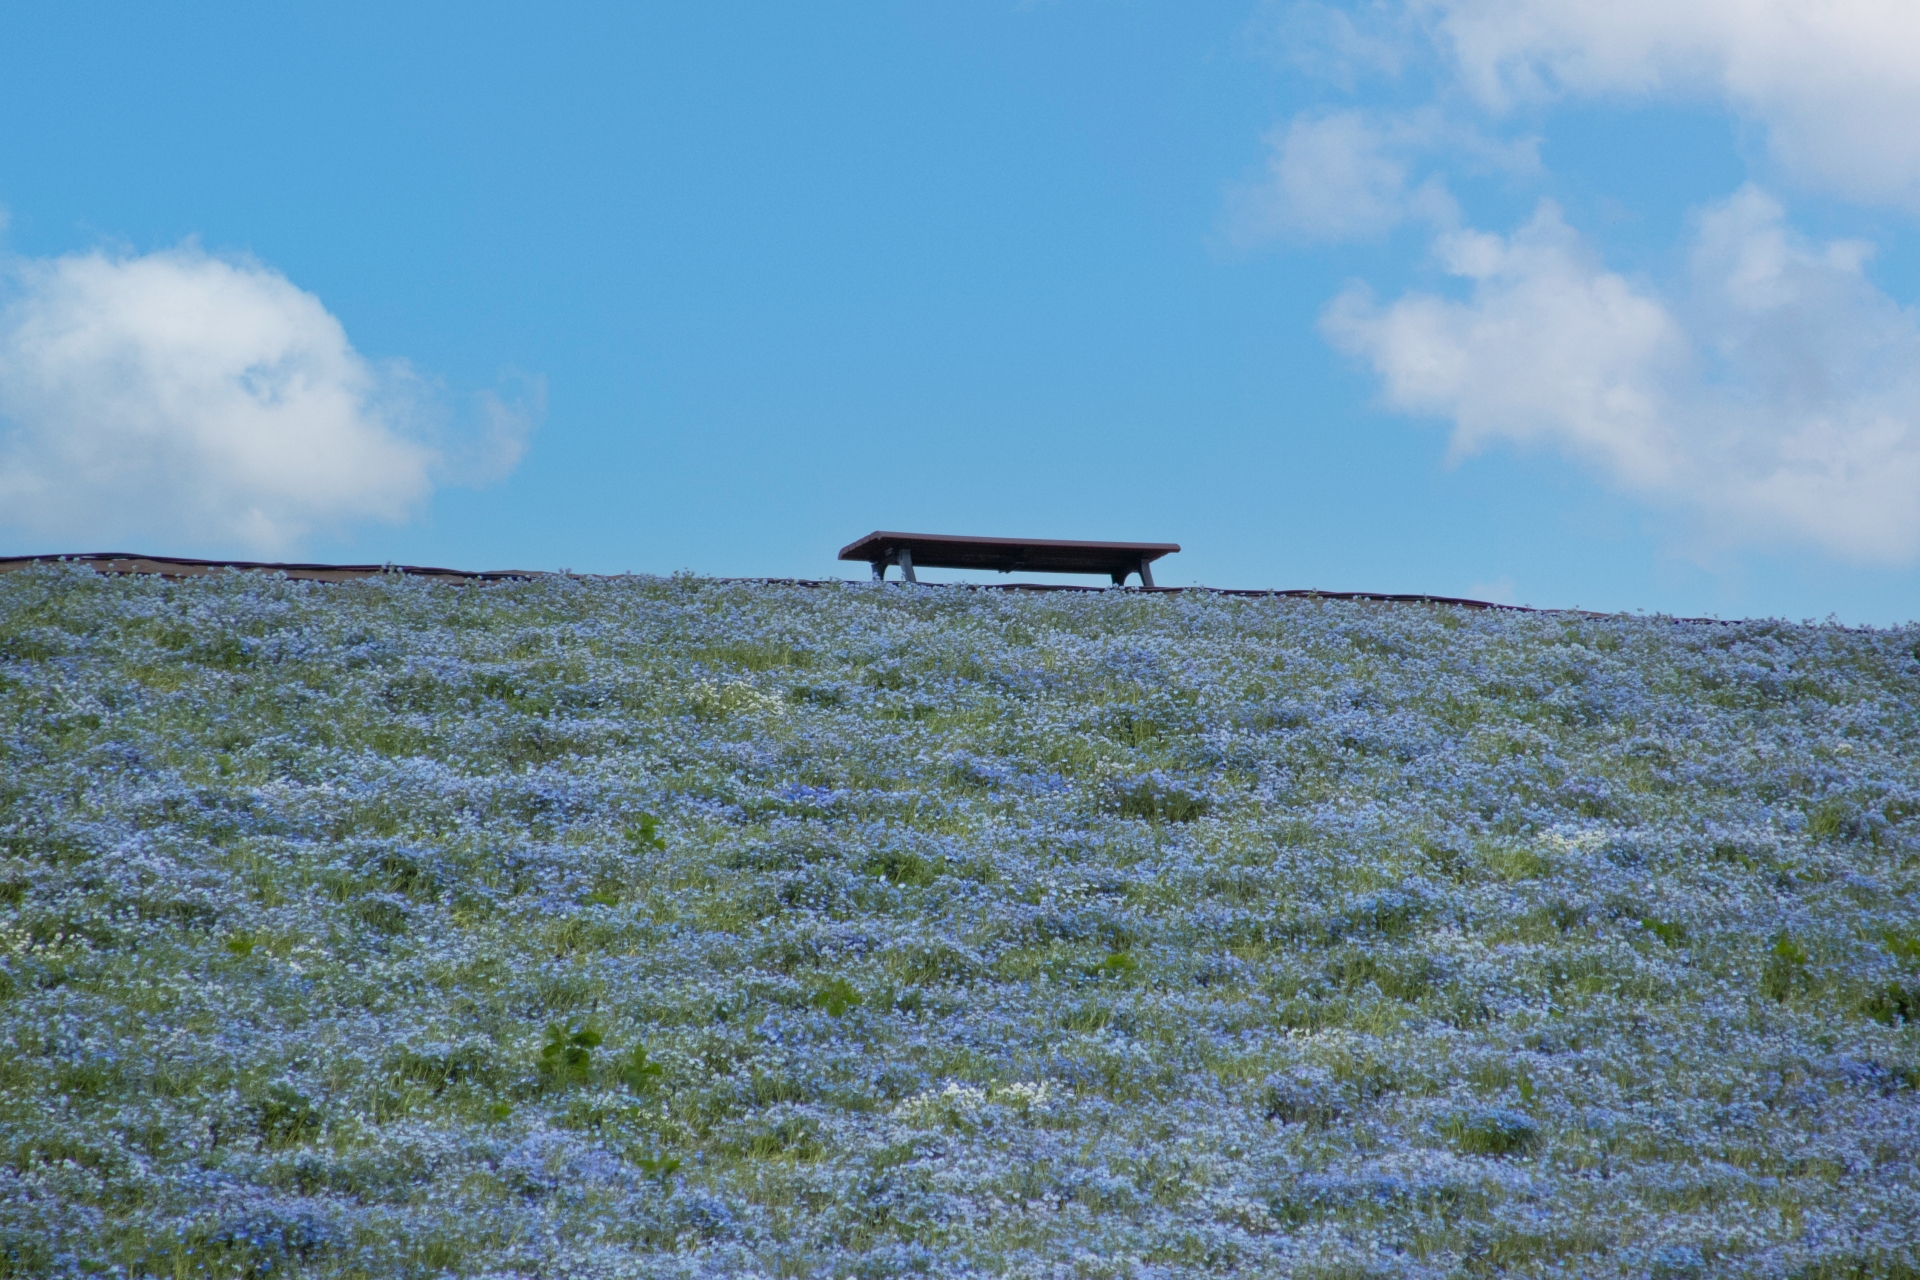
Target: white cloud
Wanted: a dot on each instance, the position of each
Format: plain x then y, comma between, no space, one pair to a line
506,426
1776,393
181,395
1336,176
1352,175
1836,82
1777,400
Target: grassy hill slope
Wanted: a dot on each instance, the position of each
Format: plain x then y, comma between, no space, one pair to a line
674,927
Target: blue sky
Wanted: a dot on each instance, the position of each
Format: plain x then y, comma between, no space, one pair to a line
1567,303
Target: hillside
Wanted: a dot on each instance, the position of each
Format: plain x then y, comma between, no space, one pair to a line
675,927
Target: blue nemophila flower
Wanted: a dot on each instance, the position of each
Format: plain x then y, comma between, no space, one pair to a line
674,927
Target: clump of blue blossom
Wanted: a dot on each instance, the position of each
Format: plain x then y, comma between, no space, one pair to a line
679,928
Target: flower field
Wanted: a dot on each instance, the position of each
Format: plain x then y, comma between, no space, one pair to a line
673,927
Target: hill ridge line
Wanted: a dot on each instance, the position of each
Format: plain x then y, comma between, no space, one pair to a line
178,567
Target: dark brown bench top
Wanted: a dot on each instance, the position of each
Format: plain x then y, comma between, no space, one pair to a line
1033,555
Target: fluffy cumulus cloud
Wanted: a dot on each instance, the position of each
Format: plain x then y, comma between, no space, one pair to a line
1776,396
1772,391
1836,83
189,396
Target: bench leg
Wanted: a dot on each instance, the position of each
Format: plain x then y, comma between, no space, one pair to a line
1119,579
879,570
904,558
1146,572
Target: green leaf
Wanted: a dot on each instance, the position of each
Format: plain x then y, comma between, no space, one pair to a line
643,832
637,1073
658,1166
567,1056
837,997
1666,930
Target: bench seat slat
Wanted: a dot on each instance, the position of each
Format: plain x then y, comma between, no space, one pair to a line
1007,555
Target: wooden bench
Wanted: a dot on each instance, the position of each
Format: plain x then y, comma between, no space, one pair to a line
1033,555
